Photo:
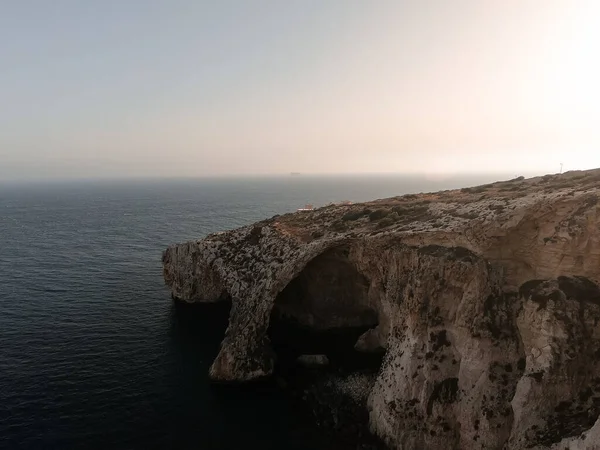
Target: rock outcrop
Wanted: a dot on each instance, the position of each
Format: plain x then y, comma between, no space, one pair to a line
485,301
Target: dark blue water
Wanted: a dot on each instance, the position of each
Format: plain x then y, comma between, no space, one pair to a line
93,353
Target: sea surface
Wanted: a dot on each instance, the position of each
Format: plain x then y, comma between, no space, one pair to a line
93,352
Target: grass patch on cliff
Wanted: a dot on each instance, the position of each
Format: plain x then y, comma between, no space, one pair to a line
476,189
411,210
378,214
355,215
386,222
339,226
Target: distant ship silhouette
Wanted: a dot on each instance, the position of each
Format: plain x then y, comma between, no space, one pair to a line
294,174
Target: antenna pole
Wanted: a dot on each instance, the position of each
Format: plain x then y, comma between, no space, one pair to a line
561,165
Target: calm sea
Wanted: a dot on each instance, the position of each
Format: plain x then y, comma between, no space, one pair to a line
93,353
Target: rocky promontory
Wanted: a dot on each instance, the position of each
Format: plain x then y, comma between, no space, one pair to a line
479,307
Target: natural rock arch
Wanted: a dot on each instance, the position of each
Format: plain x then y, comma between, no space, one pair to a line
324,309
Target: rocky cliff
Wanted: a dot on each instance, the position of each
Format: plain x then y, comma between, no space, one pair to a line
484,303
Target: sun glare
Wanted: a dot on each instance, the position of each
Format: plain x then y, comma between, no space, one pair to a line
571,74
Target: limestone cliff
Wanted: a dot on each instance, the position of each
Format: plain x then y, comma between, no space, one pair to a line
485,301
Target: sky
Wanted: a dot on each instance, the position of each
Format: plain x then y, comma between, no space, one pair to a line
133,88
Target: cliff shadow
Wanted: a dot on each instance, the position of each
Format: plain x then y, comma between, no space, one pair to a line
199,326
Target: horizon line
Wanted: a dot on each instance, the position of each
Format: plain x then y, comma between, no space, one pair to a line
291,175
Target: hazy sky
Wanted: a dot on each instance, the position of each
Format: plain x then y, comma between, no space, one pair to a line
177,87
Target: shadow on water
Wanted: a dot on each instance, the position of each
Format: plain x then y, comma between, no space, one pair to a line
258,415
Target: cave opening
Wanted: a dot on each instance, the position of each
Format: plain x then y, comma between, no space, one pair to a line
323,311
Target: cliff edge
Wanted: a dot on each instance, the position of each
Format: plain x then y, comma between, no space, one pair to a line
483,301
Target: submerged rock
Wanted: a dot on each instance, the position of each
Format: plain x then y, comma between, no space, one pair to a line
313,360
481,305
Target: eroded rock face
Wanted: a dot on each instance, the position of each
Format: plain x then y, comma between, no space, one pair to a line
451,348
559,394
485,301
